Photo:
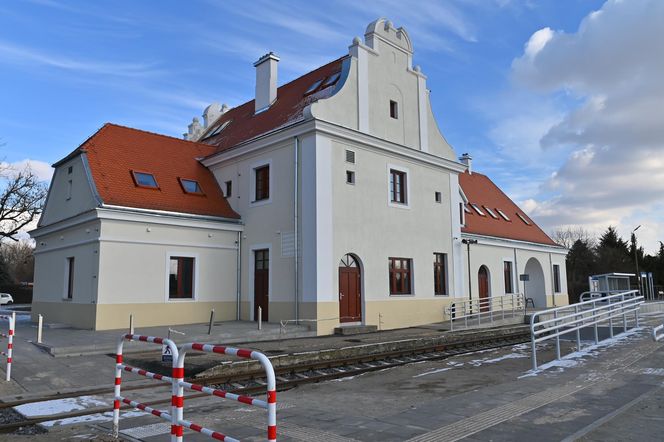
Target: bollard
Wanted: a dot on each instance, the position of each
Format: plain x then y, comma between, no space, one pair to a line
10,345
260,318
131,324
211,322
40,324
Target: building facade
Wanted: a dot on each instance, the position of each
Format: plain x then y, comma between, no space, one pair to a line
333,199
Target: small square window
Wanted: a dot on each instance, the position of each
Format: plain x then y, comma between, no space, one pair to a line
229,189
191,186
394,109
439,197
350,177
350,156
143,179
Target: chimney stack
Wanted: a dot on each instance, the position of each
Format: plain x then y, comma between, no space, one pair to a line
467,160
266,81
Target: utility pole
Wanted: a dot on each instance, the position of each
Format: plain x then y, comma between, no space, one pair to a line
468,242
636,258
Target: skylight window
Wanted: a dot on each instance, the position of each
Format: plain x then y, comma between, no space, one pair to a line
523,218
477,209
332,79
490,212
466,209
218,129
144,179
313,87
191,186
501,213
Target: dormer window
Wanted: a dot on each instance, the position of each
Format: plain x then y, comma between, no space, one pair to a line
144,179
313,87
218,129
477,209
394,109
523,218
490,212
332,79
191,186
501,213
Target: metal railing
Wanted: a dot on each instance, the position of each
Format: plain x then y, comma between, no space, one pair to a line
656,335
599,295
555,322
482,310
175,415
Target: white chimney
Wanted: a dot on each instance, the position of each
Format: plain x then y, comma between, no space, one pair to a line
467,160
266,81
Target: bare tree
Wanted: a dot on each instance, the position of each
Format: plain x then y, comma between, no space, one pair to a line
22,197
19,259
567,235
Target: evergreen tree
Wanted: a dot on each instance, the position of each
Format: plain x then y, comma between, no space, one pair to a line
613,253
580,265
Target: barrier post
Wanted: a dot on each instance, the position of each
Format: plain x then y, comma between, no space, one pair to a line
40,324
211,322
10,345
177,402
260,318
116,388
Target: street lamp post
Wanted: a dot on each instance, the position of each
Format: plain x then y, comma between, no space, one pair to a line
468,242
636,258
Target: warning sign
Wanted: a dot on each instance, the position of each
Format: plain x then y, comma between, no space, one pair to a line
166,354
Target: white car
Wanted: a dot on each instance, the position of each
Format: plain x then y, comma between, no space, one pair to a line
6,298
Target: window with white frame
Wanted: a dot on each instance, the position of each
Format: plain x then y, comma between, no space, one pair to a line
181,277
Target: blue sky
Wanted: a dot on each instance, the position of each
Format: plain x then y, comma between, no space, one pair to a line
67,67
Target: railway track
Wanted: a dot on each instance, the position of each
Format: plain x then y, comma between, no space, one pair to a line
287,377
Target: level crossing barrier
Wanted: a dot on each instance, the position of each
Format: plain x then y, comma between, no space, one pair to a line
656,335
476,311
555,322
270,405
10,343
178,384
176,430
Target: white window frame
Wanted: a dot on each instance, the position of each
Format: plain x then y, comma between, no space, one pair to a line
405,170
252,183
182,254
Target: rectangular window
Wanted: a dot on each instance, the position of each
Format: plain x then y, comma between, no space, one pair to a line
397,186
438,197
394,109
262,182
229,189
477,209
502,214
490,212
440,273
69,170
556,278
70,278
191,186
181,278
522,218
262,259
350,177
400,276
507,272
462,218
142,179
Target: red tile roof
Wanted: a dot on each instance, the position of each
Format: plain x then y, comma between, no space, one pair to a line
114,151
287,109
481,191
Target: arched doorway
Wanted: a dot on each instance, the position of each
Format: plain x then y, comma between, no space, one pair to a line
483,287
535,287
350,287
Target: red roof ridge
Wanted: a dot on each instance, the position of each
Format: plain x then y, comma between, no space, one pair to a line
182,140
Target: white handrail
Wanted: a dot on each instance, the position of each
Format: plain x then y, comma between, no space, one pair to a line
599,294
655,333
483,309
584,314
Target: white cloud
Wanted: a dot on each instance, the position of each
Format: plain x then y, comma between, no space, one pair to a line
42,170
612,135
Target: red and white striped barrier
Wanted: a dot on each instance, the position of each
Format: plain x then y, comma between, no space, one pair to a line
178,423
176,430
10,343
270,405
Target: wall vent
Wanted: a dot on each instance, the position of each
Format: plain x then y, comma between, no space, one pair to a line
350,156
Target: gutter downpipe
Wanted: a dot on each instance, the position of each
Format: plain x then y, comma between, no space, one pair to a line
553,284
295,229
239,276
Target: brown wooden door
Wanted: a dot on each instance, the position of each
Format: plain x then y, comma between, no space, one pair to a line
261,283
483,284
350,304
